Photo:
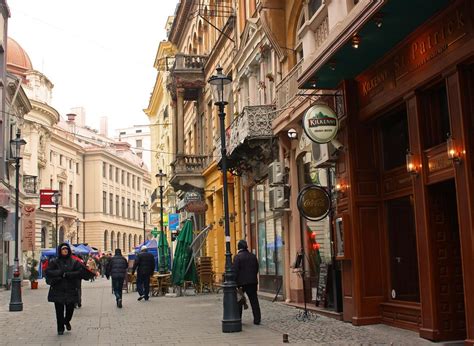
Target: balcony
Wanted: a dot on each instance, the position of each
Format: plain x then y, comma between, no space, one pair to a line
154,196
287,89
250,138
30,184
187,171
187,72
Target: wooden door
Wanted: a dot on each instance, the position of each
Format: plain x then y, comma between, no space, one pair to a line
443,220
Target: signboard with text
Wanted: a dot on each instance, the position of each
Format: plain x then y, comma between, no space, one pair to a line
320,123
28,216
46,198
173,220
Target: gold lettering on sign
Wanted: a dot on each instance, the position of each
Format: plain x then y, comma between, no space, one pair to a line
374,82
438,163
436,39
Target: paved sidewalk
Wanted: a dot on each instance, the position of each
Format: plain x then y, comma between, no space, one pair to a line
190,320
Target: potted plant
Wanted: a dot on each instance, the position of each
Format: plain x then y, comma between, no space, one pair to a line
34,274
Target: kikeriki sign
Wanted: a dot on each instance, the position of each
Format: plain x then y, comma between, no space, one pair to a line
320,123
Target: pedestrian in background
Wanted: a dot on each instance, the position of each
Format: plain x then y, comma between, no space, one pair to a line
246,269
145,266
62,275
92,266
117,269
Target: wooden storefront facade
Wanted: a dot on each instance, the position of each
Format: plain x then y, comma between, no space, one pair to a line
410,225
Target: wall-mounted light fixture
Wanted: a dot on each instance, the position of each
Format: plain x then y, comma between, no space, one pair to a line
378,19
355,41
454,152
341,187
412,167
332,65
292,134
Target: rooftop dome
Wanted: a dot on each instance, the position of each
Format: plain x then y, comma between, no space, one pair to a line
18,61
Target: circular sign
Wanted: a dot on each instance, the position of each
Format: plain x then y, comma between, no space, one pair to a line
320,123
314,202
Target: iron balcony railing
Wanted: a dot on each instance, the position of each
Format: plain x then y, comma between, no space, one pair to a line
30,184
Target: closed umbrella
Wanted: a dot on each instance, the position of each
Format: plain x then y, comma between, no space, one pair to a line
182,257
163,252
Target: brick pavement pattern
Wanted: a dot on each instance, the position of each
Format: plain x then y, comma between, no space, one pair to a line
188,320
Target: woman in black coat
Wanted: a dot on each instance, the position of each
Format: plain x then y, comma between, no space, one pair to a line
117,269
63,275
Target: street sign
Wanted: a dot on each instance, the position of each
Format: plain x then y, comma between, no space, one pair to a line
46,198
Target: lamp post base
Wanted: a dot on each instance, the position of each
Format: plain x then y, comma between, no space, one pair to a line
232,321
15,300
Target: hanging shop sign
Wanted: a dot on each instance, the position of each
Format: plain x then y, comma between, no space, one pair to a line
198,207
173,220
320,123
314,202
28,216
46,198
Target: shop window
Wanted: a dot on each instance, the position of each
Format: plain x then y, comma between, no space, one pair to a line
435,115
395,142
403,261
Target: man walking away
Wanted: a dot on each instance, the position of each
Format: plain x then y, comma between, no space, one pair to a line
63,275
246,269
117,269
145,266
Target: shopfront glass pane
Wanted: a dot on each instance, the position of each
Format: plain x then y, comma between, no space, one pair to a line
278,246
270,230
262,256
252,194
260,202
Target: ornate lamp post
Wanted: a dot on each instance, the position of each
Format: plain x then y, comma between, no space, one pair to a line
144,206
77,229
15,300
56,201
221,86
160,175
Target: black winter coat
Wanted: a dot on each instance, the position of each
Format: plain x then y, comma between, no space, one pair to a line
246,268
117,267
144,264
63,274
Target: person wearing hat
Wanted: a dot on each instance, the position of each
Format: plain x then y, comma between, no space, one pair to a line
63,275
246,269
144,266
117,269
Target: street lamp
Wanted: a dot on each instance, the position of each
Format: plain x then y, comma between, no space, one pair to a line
221,87
144,206
77,229
161,176
15,299
56,201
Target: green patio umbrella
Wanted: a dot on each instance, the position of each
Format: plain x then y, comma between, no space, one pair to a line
163,253
182,256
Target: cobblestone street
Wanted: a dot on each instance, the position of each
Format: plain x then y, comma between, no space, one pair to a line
188,320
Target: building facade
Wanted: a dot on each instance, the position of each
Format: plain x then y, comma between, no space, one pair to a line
159,112
138,136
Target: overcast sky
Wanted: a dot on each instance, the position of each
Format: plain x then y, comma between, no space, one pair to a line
99,54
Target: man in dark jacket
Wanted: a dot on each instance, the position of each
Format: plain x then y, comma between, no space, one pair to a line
145,266
246,269
117,269
63,275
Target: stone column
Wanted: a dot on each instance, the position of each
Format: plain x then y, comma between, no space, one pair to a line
253,89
